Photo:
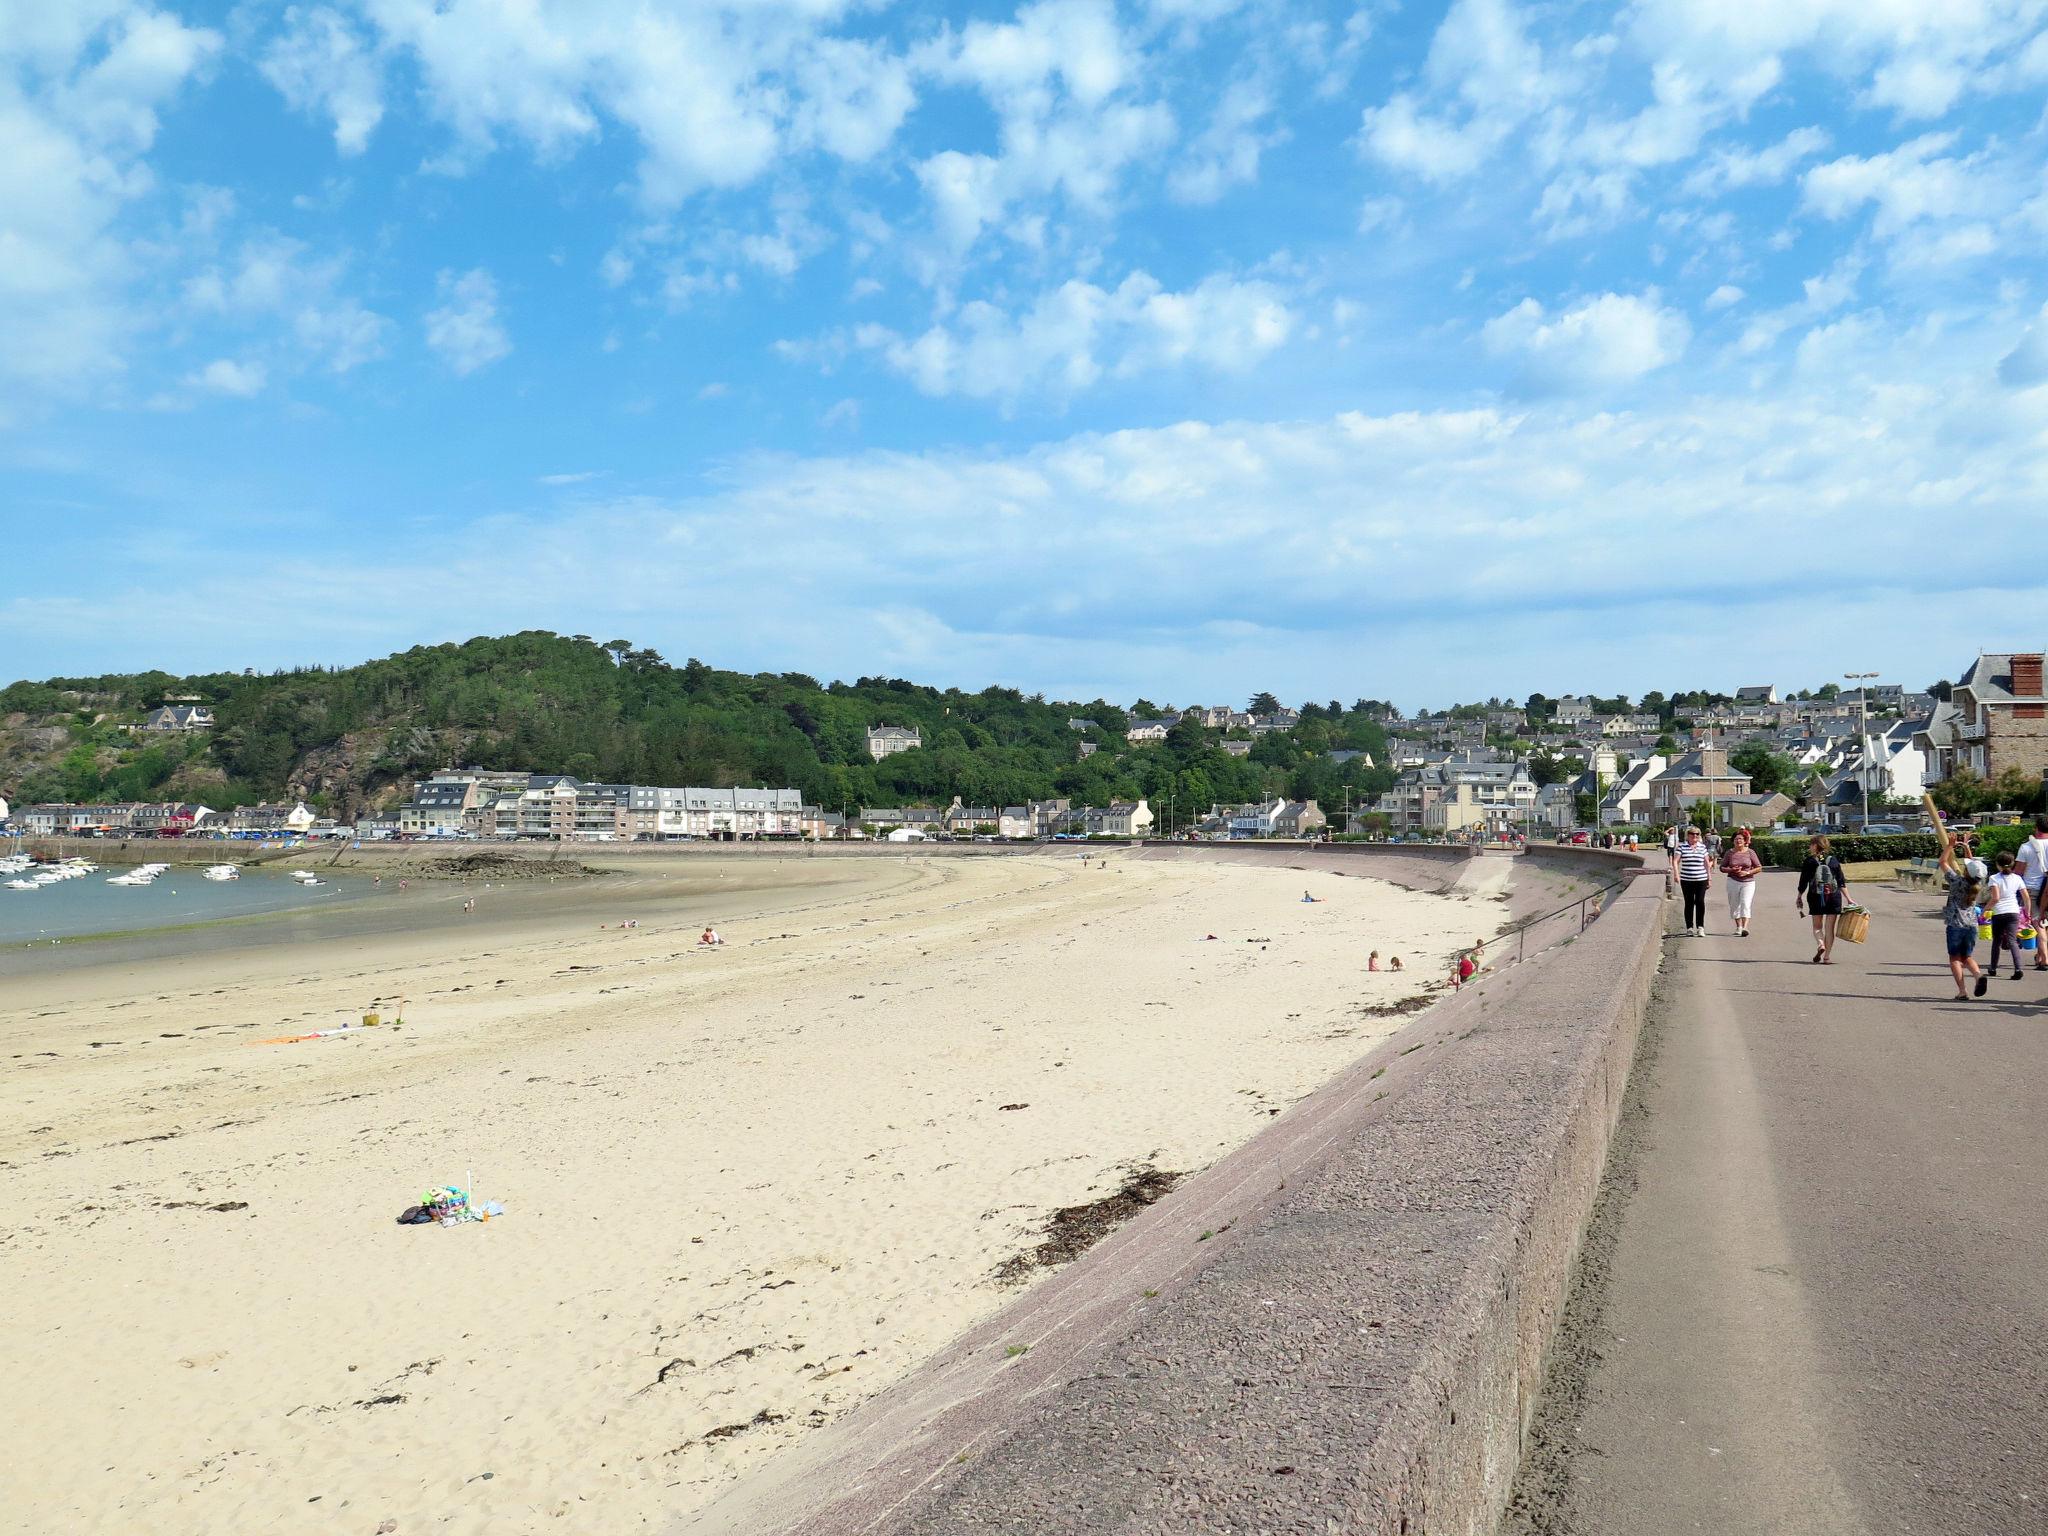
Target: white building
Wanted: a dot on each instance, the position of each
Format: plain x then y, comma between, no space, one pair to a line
730,813
1120,818
888,740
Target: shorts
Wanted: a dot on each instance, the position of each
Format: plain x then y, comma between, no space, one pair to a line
1824,906
1962,942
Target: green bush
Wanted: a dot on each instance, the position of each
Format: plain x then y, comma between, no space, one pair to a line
1992,841
1895,847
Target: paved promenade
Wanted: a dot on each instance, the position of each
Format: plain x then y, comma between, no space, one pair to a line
1815,1298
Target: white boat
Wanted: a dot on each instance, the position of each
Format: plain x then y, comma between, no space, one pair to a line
23,885
221,872
307,877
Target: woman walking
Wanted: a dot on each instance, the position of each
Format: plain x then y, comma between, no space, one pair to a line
1823,890
1959,916
1694,871
2007,897
1741,865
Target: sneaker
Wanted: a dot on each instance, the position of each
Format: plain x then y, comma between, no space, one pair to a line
1983,984
2016,976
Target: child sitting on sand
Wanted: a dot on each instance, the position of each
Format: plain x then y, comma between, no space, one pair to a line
1395,963
1372,961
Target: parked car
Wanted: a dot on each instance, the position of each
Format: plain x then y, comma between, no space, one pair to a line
1581,838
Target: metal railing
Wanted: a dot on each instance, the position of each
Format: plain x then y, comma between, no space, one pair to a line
1565,922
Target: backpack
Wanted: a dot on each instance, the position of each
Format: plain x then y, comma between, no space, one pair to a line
1825,884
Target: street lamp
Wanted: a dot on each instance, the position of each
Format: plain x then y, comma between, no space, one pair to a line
1862,681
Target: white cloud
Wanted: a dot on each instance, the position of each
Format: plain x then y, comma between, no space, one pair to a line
275,287
1731,168
1076,335
1724,297
465,329
1919,58
715,93
577,477
319,65
852,97
81,87
1611,339
2027,363
1916,181
228,377
1063,82
1492,79
1226,153
1272,553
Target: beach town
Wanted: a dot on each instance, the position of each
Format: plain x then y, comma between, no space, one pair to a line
488,1029
1068,767
1553,767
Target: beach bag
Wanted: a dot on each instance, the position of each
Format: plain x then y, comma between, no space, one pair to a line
2029,939
1984,932
1854,925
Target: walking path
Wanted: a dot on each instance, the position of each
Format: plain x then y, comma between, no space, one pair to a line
1815,1298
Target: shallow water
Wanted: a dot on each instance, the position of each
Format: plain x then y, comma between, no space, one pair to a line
76,908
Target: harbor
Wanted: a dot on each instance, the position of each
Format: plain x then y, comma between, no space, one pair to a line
72,899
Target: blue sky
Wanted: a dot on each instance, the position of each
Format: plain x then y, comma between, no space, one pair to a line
1178,349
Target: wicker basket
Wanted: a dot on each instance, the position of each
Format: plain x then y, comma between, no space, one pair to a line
1854,925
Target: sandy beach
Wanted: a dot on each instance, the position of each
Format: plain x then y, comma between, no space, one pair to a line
744,1188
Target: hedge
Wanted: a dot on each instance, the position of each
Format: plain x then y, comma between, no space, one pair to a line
1893,847
1850,848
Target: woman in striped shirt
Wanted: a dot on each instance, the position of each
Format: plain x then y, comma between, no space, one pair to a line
1695,868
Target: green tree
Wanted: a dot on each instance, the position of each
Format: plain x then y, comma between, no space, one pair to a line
1768,770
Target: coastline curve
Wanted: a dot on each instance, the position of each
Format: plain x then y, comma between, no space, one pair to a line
1341,1325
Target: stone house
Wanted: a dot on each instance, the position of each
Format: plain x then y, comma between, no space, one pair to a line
179,717
1299,818
888,740
2001,715
1702,774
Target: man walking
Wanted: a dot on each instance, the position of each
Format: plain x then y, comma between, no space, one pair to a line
2032,864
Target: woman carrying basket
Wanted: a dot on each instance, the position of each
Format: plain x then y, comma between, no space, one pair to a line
1823,891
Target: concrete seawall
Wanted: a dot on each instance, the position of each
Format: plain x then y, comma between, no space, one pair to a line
1340,1327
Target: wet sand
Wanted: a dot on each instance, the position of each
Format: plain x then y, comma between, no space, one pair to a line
744,1188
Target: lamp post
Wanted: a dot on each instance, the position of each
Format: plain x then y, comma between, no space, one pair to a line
1862,681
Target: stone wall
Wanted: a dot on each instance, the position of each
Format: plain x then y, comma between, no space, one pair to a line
1341,1327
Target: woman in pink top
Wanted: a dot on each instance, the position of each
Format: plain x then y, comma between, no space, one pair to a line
1741,865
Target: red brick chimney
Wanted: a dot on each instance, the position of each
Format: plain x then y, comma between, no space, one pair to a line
2026,684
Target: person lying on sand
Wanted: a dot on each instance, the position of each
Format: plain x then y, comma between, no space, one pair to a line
1306,897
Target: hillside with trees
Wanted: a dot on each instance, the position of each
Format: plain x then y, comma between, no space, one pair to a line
355,738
